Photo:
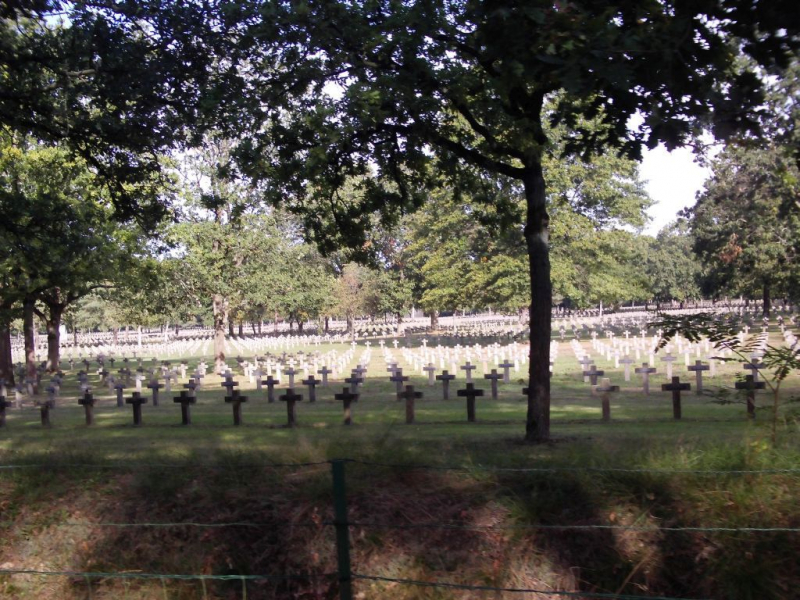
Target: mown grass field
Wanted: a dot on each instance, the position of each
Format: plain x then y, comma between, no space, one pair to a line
643,506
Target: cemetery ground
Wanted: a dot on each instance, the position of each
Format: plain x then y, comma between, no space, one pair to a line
641,506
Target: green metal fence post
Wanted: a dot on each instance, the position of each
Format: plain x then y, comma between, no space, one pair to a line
342,530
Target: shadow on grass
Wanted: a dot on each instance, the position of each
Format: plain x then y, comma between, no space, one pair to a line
57,518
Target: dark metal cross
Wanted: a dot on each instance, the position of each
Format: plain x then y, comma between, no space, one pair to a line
270,382
445,378
470,393
353,380
236,400
494,376
676,387
312,383
605,388
593,373
409,395
347,397
88,407
136,401
291,398
751,385
186,401
155,386
398,378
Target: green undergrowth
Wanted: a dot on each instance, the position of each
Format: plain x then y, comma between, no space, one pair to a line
59,506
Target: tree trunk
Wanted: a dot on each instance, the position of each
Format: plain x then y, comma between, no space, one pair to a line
537,233
350,326
300,327
6,363
434,320
230,328
30,342
327,324
241,329
767,300
53,324
220,309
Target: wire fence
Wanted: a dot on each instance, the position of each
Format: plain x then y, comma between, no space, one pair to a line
88,576
342,525
437,525
404,466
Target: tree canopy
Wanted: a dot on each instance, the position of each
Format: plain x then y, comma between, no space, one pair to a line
58,240
746,224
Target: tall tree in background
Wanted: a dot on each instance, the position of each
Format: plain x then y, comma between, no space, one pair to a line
212,240
441,251
594,203
459,261
746,223
303,289
462,260
58,237
672,268
350,294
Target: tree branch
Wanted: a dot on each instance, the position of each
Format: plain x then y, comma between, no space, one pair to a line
470,155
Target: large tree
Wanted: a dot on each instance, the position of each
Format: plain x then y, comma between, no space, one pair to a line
462,261
59,241
302,287
672,269
442,253
746,224
215,240
470,80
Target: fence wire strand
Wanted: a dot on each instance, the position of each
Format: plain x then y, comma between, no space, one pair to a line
158,576
560,469
486,588
409,466
653,529
192,465
446,526
175,524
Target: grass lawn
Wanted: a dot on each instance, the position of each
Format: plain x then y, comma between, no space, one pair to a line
643,506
